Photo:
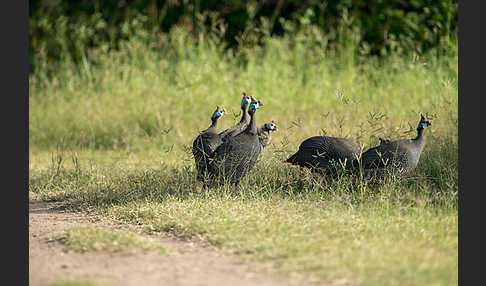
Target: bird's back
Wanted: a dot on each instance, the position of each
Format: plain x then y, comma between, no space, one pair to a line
402,155
203,148
206,141
324,152
233,131
236,156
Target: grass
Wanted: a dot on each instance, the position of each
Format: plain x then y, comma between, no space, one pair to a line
115,140
82,239
400,233
328,240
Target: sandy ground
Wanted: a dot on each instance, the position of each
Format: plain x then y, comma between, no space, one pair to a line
190,263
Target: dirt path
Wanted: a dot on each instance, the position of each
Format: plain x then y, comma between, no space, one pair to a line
190,263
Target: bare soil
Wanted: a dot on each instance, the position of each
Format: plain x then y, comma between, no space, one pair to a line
190,263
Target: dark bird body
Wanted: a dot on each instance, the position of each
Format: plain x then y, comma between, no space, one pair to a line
325,154
205,144
399,157
237,155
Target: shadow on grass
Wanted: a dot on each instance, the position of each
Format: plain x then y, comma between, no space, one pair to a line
434,182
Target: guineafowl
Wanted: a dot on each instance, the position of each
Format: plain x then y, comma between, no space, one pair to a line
325,154
399,157
240,126
264,133
205,144
239,153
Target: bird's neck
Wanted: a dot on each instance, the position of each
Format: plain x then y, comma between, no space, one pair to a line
252,125
264,136
420,139
214,122
261,130
244,117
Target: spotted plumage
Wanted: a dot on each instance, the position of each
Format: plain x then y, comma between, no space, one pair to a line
206,143
325,154
398,157
236,156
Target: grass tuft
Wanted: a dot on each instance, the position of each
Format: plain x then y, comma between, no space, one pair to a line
82,239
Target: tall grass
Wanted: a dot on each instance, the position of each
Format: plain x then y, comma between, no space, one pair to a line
161,89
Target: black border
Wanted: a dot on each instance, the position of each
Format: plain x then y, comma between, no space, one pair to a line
15,94
471,88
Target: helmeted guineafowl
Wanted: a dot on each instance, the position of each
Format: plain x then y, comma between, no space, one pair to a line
205,144
264,133
325,154
239,153
245,118
399,157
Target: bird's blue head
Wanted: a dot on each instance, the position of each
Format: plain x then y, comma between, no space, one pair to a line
424,123
245,100
254,105
219,112
270,126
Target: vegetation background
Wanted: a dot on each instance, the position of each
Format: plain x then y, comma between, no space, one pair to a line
382,27
119,89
